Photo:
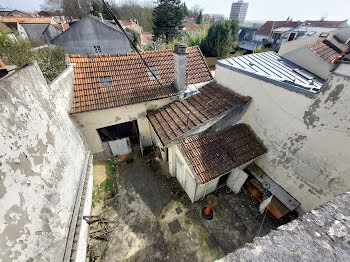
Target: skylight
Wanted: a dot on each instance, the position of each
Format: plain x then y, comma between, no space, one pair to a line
155,72
106,81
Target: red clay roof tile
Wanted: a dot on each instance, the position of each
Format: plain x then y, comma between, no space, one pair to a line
326,52
131,82
169,122
212,155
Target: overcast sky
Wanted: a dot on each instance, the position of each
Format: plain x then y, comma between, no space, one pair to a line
258,9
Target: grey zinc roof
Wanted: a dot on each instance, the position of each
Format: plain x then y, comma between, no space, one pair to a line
271,67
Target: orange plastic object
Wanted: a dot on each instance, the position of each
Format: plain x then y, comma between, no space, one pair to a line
208,210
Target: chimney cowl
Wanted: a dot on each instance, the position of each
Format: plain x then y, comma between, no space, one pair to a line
180,49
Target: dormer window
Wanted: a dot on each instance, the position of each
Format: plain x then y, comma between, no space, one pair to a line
155,72
106,81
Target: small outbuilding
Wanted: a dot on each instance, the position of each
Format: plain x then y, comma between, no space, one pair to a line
207,162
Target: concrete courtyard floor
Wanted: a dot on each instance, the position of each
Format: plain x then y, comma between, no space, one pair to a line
146,203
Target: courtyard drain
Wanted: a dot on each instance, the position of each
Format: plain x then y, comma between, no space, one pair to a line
175,226
211,241
178,210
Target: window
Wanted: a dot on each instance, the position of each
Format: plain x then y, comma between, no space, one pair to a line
97,49
106,81
276,36
291,36
155,72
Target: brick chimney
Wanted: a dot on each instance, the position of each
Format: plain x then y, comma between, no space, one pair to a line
180,61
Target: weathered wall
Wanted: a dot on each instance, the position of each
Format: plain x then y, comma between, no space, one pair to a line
321,235
287,47
308,60
83,35
307,139
41,162
89,122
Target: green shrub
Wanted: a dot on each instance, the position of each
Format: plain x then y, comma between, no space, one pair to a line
20,52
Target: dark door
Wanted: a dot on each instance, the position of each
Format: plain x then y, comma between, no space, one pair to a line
223,180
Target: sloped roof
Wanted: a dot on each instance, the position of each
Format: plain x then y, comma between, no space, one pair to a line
32,20
64,25
268,27
212,155
326,51
325,23
131,82
270,67
169,122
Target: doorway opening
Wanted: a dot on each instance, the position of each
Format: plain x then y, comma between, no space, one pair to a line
223,180
121,139
116,132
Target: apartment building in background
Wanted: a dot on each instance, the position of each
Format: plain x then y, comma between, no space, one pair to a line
239,11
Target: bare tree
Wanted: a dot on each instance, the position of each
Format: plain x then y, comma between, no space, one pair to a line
52,5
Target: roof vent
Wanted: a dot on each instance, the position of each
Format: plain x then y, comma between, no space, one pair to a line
155,72
251,64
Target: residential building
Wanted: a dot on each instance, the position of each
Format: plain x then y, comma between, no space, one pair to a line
41,33
132,25
46,170
302,121
274,33
113,93
318,54
239,11
90,35
246,36
14,13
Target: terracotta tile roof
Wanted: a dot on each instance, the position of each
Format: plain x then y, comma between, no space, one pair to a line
32,20
267,28
131,82
213,155
328,53
169,122
325,23
58,26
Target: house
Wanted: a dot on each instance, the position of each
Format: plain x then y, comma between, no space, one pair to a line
58,15
113,93
320,53
301,119
41,33
275,33
206,162
318,58
13,30
246,36
90,35
132,25
39,30
265,31
28,20
15,13
46,170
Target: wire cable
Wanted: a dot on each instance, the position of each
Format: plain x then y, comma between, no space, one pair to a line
113,16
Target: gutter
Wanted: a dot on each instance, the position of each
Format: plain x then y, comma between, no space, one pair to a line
70,253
